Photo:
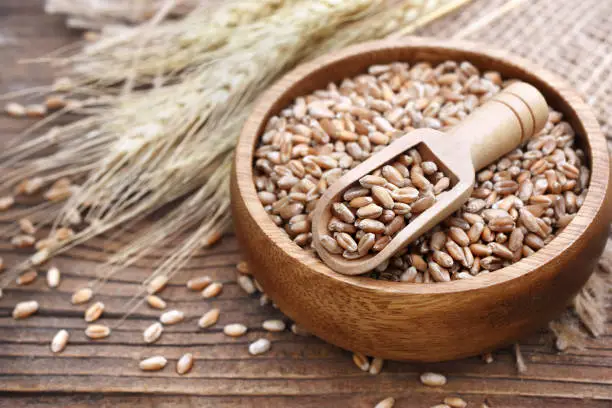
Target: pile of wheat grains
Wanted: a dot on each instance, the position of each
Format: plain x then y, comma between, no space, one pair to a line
518,204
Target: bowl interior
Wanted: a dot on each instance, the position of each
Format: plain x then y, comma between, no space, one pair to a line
355,60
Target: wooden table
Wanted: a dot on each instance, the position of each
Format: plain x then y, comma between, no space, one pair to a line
298,371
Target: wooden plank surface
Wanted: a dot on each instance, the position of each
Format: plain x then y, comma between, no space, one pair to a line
298,371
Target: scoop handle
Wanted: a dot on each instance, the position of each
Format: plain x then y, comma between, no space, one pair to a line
502,123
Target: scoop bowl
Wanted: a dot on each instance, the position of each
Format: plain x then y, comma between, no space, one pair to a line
412,321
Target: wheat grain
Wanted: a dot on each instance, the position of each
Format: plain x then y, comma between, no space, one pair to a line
184,364
156,302
235,330
212,290
388,402
15,109
27,277
23,241
198,283
59,342
97,331
6,202
157,284
361,361
152,333
246,283
376,366
259,346
154,363
82,295
53,277
209,318
41,256
26,226
433,379
274,325
172,317
25,309
455,402
94,312
243,268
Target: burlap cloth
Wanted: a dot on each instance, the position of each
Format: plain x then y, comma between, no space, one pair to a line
572,38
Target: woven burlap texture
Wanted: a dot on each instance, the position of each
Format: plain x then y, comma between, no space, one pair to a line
574,40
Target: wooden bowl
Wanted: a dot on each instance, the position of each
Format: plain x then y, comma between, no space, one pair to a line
411,321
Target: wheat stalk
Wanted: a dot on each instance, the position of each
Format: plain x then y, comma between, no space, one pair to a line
142,149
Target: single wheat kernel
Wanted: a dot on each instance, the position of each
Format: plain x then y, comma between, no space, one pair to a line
15,110
156,302
235,330
386,403
26,226
212,290
243,267
172,317
211,239
198,283
209,318
487,358
94,312
59,342
274,325
246,283
259,346
440,406
299,330
40,256
433,379
455,402
361,361
157,284
29,186
1,263
63,234
153,332
154,363
184,364
27,277
45,243
6,202
82,295
53,277
57,194
55,102
97,331
376,366
25,309
35,110
23,241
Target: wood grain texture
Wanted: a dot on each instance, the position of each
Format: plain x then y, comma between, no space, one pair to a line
411,321
298,371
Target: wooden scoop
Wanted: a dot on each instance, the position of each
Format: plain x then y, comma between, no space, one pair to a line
496,128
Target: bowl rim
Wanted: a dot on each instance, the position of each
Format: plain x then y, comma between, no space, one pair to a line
593,137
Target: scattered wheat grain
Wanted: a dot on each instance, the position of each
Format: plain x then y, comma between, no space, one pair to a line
184,364
94,312
25,309
154,363
152,333
59,342
235,330
259,346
